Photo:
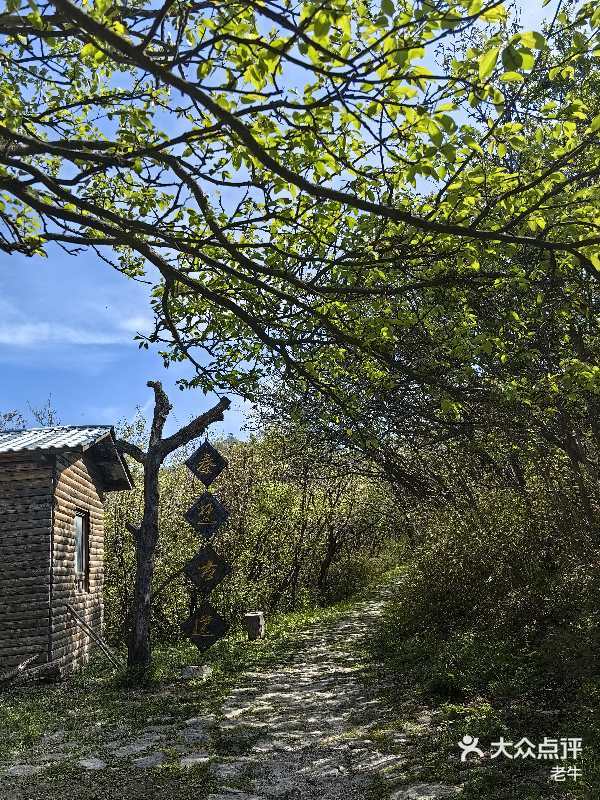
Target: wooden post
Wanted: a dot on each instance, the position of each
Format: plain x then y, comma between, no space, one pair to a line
95,638
254,623
147,534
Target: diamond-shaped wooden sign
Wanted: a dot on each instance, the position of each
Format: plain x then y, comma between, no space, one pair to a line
207,569
205,627
207,515
206,463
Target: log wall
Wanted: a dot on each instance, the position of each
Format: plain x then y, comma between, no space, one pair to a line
25,544
77,488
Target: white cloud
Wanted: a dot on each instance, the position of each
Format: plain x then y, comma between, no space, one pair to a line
34,334
98,327
136,324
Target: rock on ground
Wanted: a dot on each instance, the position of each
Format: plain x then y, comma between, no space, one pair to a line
92,763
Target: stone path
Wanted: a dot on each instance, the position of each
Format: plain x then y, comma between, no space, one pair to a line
307,725
300,731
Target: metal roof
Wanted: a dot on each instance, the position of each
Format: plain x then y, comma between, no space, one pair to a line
65,437
98,439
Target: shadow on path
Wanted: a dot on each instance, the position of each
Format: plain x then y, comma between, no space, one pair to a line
301,731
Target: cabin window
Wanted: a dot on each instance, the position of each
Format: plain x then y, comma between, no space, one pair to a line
82,560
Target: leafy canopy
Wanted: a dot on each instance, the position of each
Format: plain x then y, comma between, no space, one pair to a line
316,188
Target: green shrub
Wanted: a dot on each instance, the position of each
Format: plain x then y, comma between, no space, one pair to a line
302,532
496,627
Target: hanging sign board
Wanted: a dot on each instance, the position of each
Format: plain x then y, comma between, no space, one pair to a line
206,463
205,627
207,515
207,569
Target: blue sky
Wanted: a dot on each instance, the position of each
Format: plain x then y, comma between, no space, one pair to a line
66,329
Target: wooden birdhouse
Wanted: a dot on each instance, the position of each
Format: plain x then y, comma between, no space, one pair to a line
52,487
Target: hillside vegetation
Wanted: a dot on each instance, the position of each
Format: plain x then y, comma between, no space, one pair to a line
304,531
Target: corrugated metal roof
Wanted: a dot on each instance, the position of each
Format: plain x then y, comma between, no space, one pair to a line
65,437
99,440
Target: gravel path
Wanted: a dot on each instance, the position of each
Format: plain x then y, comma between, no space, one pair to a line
307,724
307,729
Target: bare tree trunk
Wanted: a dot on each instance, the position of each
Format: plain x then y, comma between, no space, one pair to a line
326,562
139,655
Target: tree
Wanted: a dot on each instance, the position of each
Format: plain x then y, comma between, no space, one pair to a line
9,420
44,415
328,163
516,358
147,534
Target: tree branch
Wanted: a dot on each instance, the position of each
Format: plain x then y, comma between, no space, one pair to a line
162,409
96,29
132,450
196,427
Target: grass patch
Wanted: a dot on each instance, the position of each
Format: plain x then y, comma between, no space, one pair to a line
472,677
158,784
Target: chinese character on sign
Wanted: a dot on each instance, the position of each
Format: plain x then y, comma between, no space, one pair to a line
205,627
207,515
206,463
207,569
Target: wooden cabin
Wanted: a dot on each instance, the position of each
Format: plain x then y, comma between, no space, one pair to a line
52,487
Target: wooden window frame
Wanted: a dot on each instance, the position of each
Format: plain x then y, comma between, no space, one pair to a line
82,579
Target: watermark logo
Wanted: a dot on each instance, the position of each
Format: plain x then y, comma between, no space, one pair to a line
560,774
567,748
468,745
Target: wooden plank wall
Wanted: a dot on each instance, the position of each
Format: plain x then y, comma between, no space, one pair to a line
77,489
25,536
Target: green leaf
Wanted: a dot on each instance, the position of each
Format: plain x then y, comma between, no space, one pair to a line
345,24
435,134
322,25
531,39
511,58
512,77
595,125
527,59
388,8
88,50
487,62
496,14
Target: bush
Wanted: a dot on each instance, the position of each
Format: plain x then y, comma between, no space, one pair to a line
496,626
302,532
